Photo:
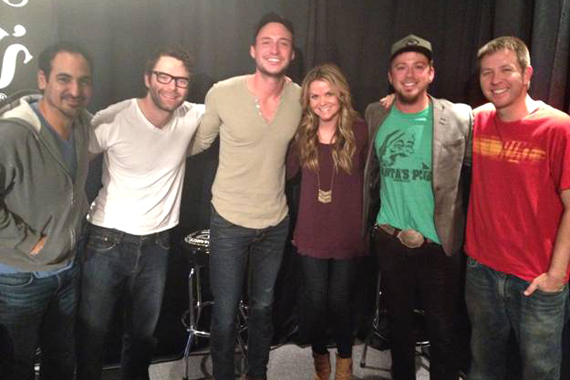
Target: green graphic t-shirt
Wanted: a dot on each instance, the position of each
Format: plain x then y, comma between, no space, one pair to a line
403,146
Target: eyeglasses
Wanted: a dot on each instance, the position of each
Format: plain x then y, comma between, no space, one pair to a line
165,78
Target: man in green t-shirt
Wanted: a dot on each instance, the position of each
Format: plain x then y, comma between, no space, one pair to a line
413,200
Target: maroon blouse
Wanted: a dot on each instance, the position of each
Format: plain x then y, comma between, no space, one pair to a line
331,230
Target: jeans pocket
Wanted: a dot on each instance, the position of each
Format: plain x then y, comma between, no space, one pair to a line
472,263
550,305
218,220
163,240
16,280
551,294
100,242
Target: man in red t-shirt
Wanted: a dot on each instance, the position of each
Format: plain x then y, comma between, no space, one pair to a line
518,223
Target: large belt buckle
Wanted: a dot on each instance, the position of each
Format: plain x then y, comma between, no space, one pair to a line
411,238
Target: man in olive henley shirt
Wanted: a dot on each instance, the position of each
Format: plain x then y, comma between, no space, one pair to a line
255,116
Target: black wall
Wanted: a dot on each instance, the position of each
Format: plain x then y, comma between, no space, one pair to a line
356,35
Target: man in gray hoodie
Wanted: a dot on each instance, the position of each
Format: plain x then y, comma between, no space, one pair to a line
43,167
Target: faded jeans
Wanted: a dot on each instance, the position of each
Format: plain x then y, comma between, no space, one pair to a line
40,312
496,304
232,249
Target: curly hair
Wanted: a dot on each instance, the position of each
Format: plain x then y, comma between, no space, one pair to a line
307,138
177,52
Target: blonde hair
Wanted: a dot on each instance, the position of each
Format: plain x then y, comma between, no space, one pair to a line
307,139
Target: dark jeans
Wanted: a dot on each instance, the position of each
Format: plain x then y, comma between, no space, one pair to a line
428,271
232,249
117,266
40,312
328,293
496,305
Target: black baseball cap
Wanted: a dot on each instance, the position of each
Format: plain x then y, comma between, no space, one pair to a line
411,43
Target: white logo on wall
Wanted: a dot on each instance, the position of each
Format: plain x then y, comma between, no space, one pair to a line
11,54
16,4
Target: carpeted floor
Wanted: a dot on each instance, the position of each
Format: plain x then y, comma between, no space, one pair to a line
287,362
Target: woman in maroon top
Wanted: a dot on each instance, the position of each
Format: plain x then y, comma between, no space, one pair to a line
329,152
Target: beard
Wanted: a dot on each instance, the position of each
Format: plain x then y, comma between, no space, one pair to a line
155,97
69,111
409,99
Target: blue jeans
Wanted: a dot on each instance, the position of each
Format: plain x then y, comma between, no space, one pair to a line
232,249
496,304
117,266
328,294
40,312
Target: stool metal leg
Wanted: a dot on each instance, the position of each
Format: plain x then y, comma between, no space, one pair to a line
190,321
364,351
191,318
422,344
195,306
375,323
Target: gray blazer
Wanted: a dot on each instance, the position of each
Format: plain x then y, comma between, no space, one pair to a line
451,149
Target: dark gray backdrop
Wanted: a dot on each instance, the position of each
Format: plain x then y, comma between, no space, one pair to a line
354,34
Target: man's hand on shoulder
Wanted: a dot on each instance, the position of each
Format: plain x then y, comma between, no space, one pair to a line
387,101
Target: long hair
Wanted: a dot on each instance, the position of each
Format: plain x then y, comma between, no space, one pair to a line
307,139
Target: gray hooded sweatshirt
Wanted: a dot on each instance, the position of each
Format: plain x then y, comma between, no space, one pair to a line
38,196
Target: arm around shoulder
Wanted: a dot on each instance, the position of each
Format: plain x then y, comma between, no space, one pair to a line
464,114
292,163
209,127
372,115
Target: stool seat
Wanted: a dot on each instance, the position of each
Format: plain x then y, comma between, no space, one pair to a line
196,247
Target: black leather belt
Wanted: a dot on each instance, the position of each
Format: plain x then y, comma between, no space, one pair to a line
408,238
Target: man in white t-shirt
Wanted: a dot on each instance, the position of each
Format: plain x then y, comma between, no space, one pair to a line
144,144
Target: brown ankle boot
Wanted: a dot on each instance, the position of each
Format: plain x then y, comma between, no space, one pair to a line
322,366
343,369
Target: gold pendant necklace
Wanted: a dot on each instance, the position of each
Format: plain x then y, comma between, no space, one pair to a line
324,196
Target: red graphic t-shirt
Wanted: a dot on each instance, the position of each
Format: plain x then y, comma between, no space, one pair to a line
519,170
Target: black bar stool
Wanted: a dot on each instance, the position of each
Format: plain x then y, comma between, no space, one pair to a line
380,327
197,246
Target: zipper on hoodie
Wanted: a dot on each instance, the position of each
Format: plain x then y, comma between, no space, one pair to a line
72,237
